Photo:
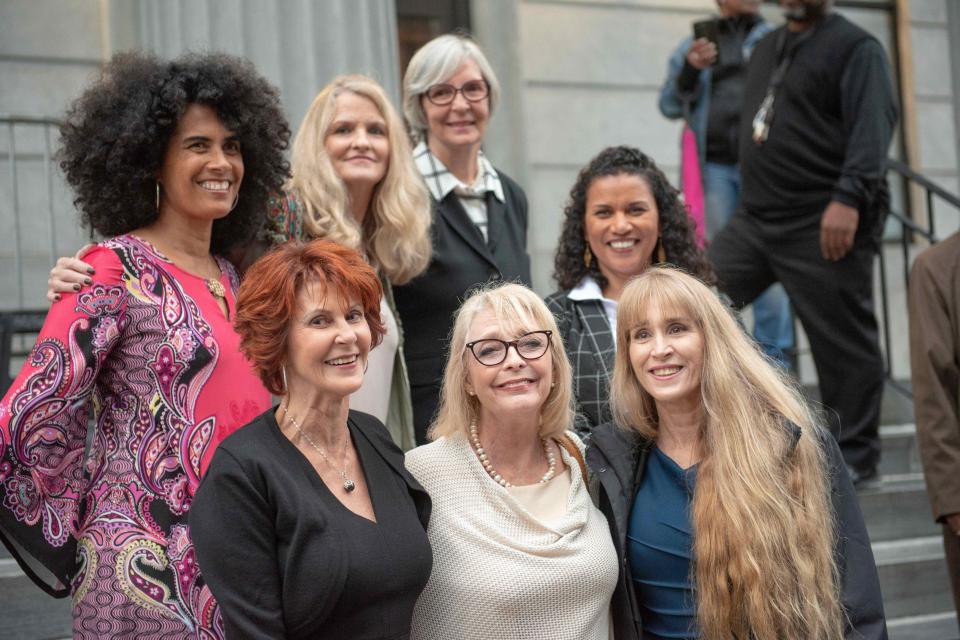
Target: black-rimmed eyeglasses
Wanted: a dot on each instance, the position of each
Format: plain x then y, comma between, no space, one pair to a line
490,352
473,91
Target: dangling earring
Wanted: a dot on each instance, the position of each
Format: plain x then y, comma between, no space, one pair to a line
661,252
283,375
158,197
236,199
366,365
587,256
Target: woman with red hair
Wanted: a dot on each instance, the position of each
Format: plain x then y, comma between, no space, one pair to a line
307,524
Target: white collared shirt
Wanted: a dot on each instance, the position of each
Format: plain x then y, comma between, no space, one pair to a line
441,182
589,289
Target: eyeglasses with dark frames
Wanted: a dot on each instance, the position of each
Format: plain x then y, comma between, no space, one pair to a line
490,351
444,94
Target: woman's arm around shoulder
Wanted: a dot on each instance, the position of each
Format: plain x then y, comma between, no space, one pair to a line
232,526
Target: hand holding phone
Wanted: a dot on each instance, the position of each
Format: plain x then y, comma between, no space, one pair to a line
703,52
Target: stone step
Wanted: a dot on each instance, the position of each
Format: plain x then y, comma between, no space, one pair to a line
899,452
27,612
913,576
933,626
897,507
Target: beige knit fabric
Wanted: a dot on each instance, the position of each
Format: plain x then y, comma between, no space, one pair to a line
498,572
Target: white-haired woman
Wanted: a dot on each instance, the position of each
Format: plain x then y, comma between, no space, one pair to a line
480,220
520,551
733,509
354,183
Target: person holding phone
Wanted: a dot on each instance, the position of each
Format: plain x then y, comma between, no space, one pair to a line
704,86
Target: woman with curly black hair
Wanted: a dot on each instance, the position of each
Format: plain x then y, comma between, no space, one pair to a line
172,162
623,215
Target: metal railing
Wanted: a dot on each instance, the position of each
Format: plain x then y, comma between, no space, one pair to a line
910,230
22,320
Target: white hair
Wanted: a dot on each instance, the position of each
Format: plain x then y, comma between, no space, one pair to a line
434,63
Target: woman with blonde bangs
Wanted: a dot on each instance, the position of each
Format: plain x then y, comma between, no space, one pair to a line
354,183
731,506
513,529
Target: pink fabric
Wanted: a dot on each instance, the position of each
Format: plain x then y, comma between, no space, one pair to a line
691,180
148,350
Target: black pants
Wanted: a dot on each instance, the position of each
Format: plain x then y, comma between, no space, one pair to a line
951,547
834,302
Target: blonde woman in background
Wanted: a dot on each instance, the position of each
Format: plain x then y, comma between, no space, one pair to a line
733,508
520,551
353,182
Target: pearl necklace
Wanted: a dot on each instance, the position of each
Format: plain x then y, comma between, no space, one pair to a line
348,484
488,466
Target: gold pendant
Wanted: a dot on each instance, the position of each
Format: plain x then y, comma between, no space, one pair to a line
216,288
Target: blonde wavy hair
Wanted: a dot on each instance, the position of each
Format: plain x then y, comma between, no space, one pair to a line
396,230
764,529
518,310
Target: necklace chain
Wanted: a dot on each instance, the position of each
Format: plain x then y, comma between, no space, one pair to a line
488,466
348,484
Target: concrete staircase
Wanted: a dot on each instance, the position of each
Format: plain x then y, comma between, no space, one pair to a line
907,544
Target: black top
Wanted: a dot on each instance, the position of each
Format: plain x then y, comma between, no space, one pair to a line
833,121
728,76
617,459
461,260
286,559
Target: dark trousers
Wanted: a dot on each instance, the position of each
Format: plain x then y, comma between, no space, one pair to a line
425,399
834,302
951,547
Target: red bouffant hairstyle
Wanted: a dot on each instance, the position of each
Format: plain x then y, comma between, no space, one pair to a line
268,299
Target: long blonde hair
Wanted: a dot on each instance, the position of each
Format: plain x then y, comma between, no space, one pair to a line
518,310
396,230
762,518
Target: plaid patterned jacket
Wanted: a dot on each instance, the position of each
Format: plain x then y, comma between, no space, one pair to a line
590,346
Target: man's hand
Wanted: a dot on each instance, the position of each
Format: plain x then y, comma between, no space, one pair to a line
702,53
838,226
953,523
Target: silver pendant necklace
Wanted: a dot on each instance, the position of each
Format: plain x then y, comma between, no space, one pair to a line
348,484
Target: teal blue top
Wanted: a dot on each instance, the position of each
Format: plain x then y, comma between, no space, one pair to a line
659,548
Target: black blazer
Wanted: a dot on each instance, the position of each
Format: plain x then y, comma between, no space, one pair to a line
617,459
264,543
461,260
588,339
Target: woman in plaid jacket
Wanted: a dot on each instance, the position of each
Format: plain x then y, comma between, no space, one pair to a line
623,215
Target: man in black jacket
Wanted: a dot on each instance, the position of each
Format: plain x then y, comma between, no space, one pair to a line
819,112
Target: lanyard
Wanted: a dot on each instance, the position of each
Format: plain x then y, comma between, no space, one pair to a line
764,116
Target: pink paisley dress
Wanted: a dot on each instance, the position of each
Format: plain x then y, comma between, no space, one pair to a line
100,511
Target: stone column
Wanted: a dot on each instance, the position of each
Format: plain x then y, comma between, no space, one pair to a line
299,45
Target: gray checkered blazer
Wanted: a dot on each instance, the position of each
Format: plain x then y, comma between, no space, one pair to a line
590,346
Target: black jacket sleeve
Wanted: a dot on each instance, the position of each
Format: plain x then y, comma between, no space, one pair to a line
236,550
859,583
869,110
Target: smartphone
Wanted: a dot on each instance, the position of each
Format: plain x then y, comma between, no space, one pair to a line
705,29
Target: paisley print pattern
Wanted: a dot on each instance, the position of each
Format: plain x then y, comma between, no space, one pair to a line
147,347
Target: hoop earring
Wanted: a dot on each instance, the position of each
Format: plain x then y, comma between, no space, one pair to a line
236,199
283,375
661,252
587,256
366,365
158,197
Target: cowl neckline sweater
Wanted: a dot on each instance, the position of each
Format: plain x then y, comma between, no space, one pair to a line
499,572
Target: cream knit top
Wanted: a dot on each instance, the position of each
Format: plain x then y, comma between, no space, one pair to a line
499,573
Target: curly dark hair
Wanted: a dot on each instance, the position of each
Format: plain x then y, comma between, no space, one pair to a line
115,136
676,230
